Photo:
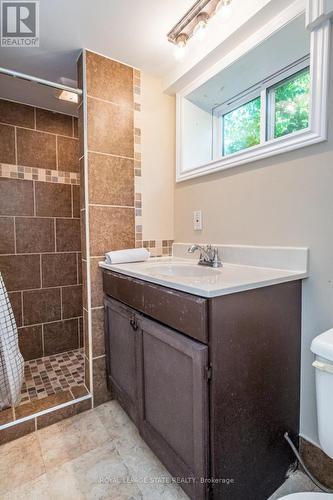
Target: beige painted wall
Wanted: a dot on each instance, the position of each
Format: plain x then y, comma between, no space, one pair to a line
285,200
158,159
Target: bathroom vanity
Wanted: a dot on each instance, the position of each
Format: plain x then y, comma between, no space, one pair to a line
208,370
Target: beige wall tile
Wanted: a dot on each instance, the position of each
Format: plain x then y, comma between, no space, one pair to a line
15,299
57,123
72,301
111,228
68,154
76,201
111,180
34,235
68,235
31,342
20,272
16,197
105,138
59,269
97,295
17,114
7,144
53,200
36,149
98,343
61,336
41,306
109,80
101,393
7,243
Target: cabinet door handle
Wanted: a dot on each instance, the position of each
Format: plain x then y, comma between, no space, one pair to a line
134,324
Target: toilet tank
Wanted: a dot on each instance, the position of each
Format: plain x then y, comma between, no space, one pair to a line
322,347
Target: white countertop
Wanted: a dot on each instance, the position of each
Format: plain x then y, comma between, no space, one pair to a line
186,275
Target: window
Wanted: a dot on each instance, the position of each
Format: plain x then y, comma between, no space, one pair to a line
262,98
241,127
290,103
278,106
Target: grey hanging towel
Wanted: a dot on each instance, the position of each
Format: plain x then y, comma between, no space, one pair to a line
11,360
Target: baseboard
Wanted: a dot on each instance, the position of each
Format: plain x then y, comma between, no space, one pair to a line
318,463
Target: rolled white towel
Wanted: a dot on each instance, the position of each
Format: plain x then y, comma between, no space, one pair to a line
130,255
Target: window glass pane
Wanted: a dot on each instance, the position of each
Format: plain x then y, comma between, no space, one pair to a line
241,127
292,104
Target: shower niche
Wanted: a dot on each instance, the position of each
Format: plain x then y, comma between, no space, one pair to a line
40,252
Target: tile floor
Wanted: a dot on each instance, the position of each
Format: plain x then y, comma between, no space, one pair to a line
296,483
95,455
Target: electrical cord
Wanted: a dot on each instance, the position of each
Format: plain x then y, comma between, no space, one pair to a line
313,479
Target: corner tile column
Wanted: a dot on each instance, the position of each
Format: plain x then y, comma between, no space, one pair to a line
106,130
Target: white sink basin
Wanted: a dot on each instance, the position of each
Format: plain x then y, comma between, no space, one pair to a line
181,270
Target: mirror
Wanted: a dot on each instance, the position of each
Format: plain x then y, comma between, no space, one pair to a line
263,98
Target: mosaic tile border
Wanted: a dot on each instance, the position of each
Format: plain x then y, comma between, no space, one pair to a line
38,174
158,248
137,157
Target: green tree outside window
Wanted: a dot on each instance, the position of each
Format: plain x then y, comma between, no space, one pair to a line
241,127
292,100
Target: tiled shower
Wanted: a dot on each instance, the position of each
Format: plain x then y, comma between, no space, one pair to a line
40,252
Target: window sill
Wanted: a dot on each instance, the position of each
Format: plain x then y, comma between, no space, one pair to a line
274,147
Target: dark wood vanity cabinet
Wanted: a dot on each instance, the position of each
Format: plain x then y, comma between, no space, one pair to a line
159,377
212,403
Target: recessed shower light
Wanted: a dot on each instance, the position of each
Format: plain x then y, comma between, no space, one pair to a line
66,95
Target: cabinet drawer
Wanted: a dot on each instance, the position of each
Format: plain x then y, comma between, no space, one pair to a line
182,311
124,288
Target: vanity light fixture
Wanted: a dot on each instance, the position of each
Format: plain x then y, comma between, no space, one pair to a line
194,23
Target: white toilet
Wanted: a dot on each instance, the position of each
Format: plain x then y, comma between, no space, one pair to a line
322,347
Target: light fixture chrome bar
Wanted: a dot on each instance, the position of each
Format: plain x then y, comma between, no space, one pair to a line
41,81
187,19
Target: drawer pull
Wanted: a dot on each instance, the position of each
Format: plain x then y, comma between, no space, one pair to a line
134,324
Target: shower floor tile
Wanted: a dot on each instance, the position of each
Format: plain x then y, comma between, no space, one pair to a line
50,375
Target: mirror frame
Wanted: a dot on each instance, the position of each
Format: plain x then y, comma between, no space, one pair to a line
319,67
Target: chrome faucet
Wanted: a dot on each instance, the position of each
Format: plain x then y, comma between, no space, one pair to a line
208,256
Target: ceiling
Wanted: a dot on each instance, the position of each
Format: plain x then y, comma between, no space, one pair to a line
131,31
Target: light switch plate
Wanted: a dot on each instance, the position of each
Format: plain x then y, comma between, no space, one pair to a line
197,220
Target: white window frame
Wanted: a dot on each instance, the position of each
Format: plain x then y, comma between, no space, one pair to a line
315,133
267,112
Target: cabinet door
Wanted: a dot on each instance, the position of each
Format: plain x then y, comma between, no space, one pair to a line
121,353
173,403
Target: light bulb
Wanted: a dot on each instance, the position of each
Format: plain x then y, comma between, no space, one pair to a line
181,46
199,31
224,9
180,51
